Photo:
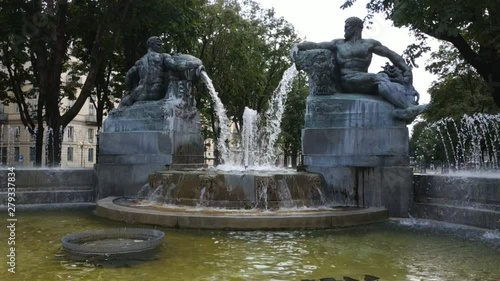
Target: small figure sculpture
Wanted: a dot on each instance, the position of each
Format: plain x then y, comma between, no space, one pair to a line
151,75
352,57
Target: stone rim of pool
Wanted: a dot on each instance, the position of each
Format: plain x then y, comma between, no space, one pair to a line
323,218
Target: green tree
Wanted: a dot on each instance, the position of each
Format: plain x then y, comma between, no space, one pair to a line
17,75
472,27
290,140
459,90
45,39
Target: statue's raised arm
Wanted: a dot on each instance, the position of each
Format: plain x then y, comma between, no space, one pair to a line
396,59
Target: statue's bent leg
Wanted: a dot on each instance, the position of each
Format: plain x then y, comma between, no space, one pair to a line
394,93
360,83
153,92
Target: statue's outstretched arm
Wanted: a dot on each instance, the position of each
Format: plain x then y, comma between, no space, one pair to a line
396,59
312,45
181,62
332,46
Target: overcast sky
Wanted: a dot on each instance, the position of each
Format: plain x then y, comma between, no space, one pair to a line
323,20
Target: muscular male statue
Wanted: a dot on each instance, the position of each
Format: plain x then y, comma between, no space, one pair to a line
148,79
353,56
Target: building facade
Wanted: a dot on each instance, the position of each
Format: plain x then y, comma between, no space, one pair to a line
17,145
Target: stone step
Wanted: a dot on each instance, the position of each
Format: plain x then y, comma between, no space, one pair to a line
467,215
47,207
460,203
49,197
478,190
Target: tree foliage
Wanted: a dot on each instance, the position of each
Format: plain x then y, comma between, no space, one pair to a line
290,140
459,90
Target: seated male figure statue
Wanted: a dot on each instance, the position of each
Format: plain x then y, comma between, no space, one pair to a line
353,56
148,79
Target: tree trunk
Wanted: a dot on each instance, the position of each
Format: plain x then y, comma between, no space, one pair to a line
39,145
285,159
295,153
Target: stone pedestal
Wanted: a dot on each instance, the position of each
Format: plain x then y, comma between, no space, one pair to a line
144,138
361,150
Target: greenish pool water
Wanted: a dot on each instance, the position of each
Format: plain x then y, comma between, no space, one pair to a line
395,250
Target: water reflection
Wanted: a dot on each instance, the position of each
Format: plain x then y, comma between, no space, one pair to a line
396,250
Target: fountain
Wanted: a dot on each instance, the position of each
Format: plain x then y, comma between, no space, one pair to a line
354,148
464,189
246,192
470,145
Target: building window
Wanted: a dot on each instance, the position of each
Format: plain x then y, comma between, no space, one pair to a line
17,108
70,154
91,109
17,133
91,155
16,153
2,108
91,135
32,154
71,133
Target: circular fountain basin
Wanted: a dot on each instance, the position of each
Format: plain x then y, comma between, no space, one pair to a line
135,211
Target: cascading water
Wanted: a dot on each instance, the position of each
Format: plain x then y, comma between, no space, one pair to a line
10,145
223,120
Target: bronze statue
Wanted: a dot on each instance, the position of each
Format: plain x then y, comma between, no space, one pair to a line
151,75
352,57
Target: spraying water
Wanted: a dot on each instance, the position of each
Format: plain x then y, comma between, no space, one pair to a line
258,144
274,114
472,143
250,131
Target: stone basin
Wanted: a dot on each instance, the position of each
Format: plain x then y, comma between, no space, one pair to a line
238,189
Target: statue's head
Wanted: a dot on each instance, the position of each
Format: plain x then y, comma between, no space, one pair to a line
155,44
353,27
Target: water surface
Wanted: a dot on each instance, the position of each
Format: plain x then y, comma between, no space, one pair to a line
392,251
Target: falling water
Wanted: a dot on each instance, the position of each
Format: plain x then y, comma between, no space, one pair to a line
202,199
1,144
48,138
261,195
284,194
10,146
157,195
223,120
144,192
322,197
